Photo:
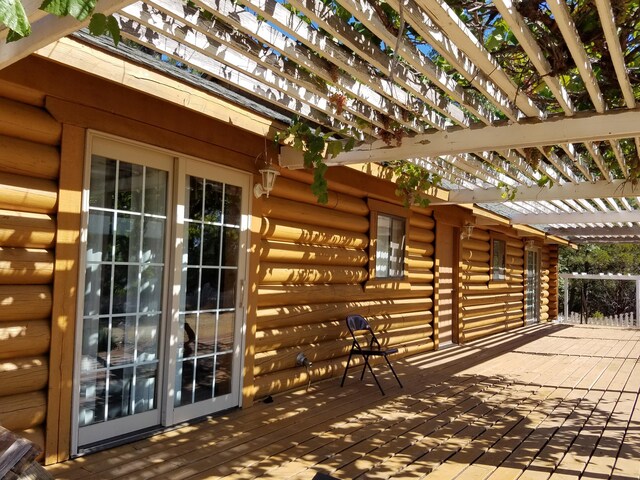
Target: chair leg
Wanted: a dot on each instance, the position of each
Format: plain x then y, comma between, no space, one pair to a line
344,376
367,364
394,372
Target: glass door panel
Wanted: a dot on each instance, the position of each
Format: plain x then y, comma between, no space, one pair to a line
207,370
123,299
532,281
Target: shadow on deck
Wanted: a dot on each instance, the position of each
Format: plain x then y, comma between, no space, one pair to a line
534,402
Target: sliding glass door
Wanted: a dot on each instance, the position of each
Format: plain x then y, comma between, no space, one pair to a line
162,307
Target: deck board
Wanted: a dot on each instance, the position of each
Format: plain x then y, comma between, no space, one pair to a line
540,402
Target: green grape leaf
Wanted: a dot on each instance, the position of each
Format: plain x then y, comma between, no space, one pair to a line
79,9
12,15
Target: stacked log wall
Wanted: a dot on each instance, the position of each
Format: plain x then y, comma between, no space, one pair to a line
548,283
314,270
489,307
29,166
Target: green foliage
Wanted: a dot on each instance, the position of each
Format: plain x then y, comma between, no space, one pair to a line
601,258
101,24
413,182
13,15
545,180
508,192
314,144
608,297
79,9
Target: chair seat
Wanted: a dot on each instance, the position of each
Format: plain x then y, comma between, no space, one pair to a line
388,351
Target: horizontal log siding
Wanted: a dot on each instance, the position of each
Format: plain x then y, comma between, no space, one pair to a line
552,293
29,166
490,307
314,265
545,285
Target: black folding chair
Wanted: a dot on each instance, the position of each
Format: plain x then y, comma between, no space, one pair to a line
368,346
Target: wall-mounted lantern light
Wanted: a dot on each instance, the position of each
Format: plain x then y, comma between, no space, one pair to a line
269,175
467,231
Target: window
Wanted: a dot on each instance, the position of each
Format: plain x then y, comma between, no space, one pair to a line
498,259
390,235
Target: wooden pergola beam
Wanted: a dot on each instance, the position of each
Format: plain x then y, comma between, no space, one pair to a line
465,40
519,28
49,28
558,130
601,189
575,218
571,36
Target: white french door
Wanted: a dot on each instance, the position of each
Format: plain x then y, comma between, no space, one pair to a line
532,286
211,235
165,244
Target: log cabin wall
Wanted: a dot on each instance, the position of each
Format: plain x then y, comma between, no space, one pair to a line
549,283
487,306
29,170
314,271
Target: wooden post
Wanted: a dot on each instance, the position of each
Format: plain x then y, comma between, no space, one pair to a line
637,303
65,288
248,377
566,299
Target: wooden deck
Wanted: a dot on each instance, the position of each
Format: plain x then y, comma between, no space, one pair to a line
540,402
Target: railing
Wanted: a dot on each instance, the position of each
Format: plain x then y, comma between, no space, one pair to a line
626,320
629,320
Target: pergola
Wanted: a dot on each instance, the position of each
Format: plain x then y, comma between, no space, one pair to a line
420,80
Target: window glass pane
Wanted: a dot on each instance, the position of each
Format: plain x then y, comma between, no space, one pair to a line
92,398
97,289
145,395
206,333
125,289
127,238
188,324
130,183
209,289
195,195
226,322
498,260
211,245
119,397
103,182
396,250
148,333
193,241
390,247
153,240
228,288
230,246
123,340
151,289
213,202
190,289
204,378
383,239
100,236
184,382
232,204
155,194
224,365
